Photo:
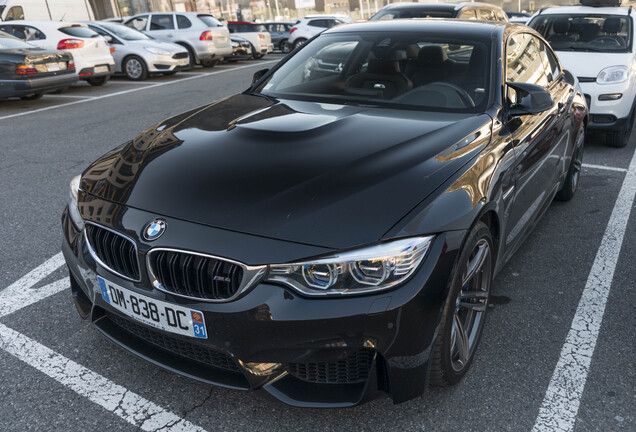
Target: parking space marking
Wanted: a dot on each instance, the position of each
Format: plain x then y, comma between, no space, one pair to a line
117,399
140,88
604,167
132,82
49,96
127,405
563,396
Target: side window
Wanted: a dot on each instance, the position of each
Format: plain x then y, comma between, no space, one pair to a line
501,15
468,14
161,22
183,22
486,14
138,23
15,13
524,60
14,30
551,63
32,33
318,23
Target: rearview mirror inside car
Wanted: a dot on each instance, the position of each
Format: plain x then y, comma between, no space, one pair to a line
530,99
258,75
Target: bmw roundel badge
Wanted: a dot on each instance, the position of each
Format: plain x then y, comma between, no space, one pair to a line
154,229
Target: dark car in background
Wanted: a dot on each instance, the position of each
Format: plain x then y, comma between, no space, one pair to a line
241,49
28,72
279,32
331,237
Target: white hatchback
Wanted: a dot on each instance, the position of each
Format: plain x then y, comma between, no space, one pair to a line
91,53
597,45
311,25
255,34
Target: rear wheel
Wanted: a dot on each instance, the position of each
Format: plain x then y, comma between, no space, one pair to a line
135,68
209,63
32,97
255,54
465,309
284,47
299,43
99,81
574,172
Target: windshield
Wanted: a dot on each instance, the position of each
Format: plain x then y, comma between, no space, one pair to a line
8,42
394,13
597,33
394,69
125,33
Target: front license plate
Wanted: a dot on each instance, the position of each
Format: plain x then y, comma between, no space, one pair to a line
52,67
156,313
101,69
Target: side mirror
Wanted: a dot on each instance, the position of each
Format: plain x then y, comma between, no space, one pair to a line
109,39
258,75
531,99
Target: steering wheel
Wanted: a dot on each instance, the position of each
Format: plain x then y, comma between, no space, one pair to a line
463,94
613,41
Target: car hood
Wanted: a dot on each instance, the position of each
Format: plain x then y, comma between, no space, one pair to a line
590,64
156,44
327,175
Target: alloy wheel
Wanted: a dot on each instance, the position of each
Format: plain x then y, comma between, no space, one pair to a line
134,68
470,305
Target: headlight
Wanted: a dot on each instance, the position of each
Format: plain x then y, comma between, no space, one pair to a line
357,271
612,75
73,209
156,51
235,44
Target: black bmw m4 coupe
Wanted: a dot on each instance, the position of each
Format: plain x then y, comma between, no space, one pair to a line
331,234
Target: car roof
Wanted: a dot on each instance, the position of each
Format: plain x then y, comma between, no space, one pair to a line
45,24
244,22
438,6
619,10
454,26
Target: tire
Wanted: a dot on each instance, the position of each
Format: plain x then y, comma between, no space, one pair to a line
567,191
191,56
209,63
35,96
620,138
135,68
256,55
298,43
284,47
99,81
464,310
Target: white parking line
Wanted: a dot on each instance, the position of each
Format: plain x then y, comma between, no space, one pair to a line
604,167
140,88
131,82
48,96
562,399
120,401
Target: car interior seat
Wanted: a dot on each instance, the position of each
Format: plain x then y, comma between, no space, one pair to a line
383,78
561,27
432,64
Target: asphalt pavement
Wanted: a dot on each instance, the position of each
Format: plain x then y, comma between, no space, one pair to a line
58,374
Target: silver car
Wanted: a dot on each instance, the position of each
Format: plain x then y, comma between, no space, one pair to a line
205,38
137,55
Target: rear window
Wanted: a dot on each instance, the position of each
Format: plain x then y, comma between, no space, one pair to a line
83,32
210,21
247,28
393,13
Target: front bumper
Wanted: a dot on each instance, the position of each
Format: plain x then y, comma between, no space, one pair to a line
608,115
25,87
162,63
334,352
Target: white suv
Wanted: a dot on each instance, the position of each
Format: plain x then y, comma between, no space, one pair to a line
205,38
310,26
597,45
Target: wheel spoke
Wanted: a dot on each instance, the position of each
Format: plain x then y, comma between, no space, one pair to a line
461,340
476,263
465,298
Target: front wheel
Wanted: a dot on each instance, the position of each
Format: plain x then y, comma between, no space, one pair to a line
620,138
284,47
135,69
99,81
34,96
465,309
209,63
